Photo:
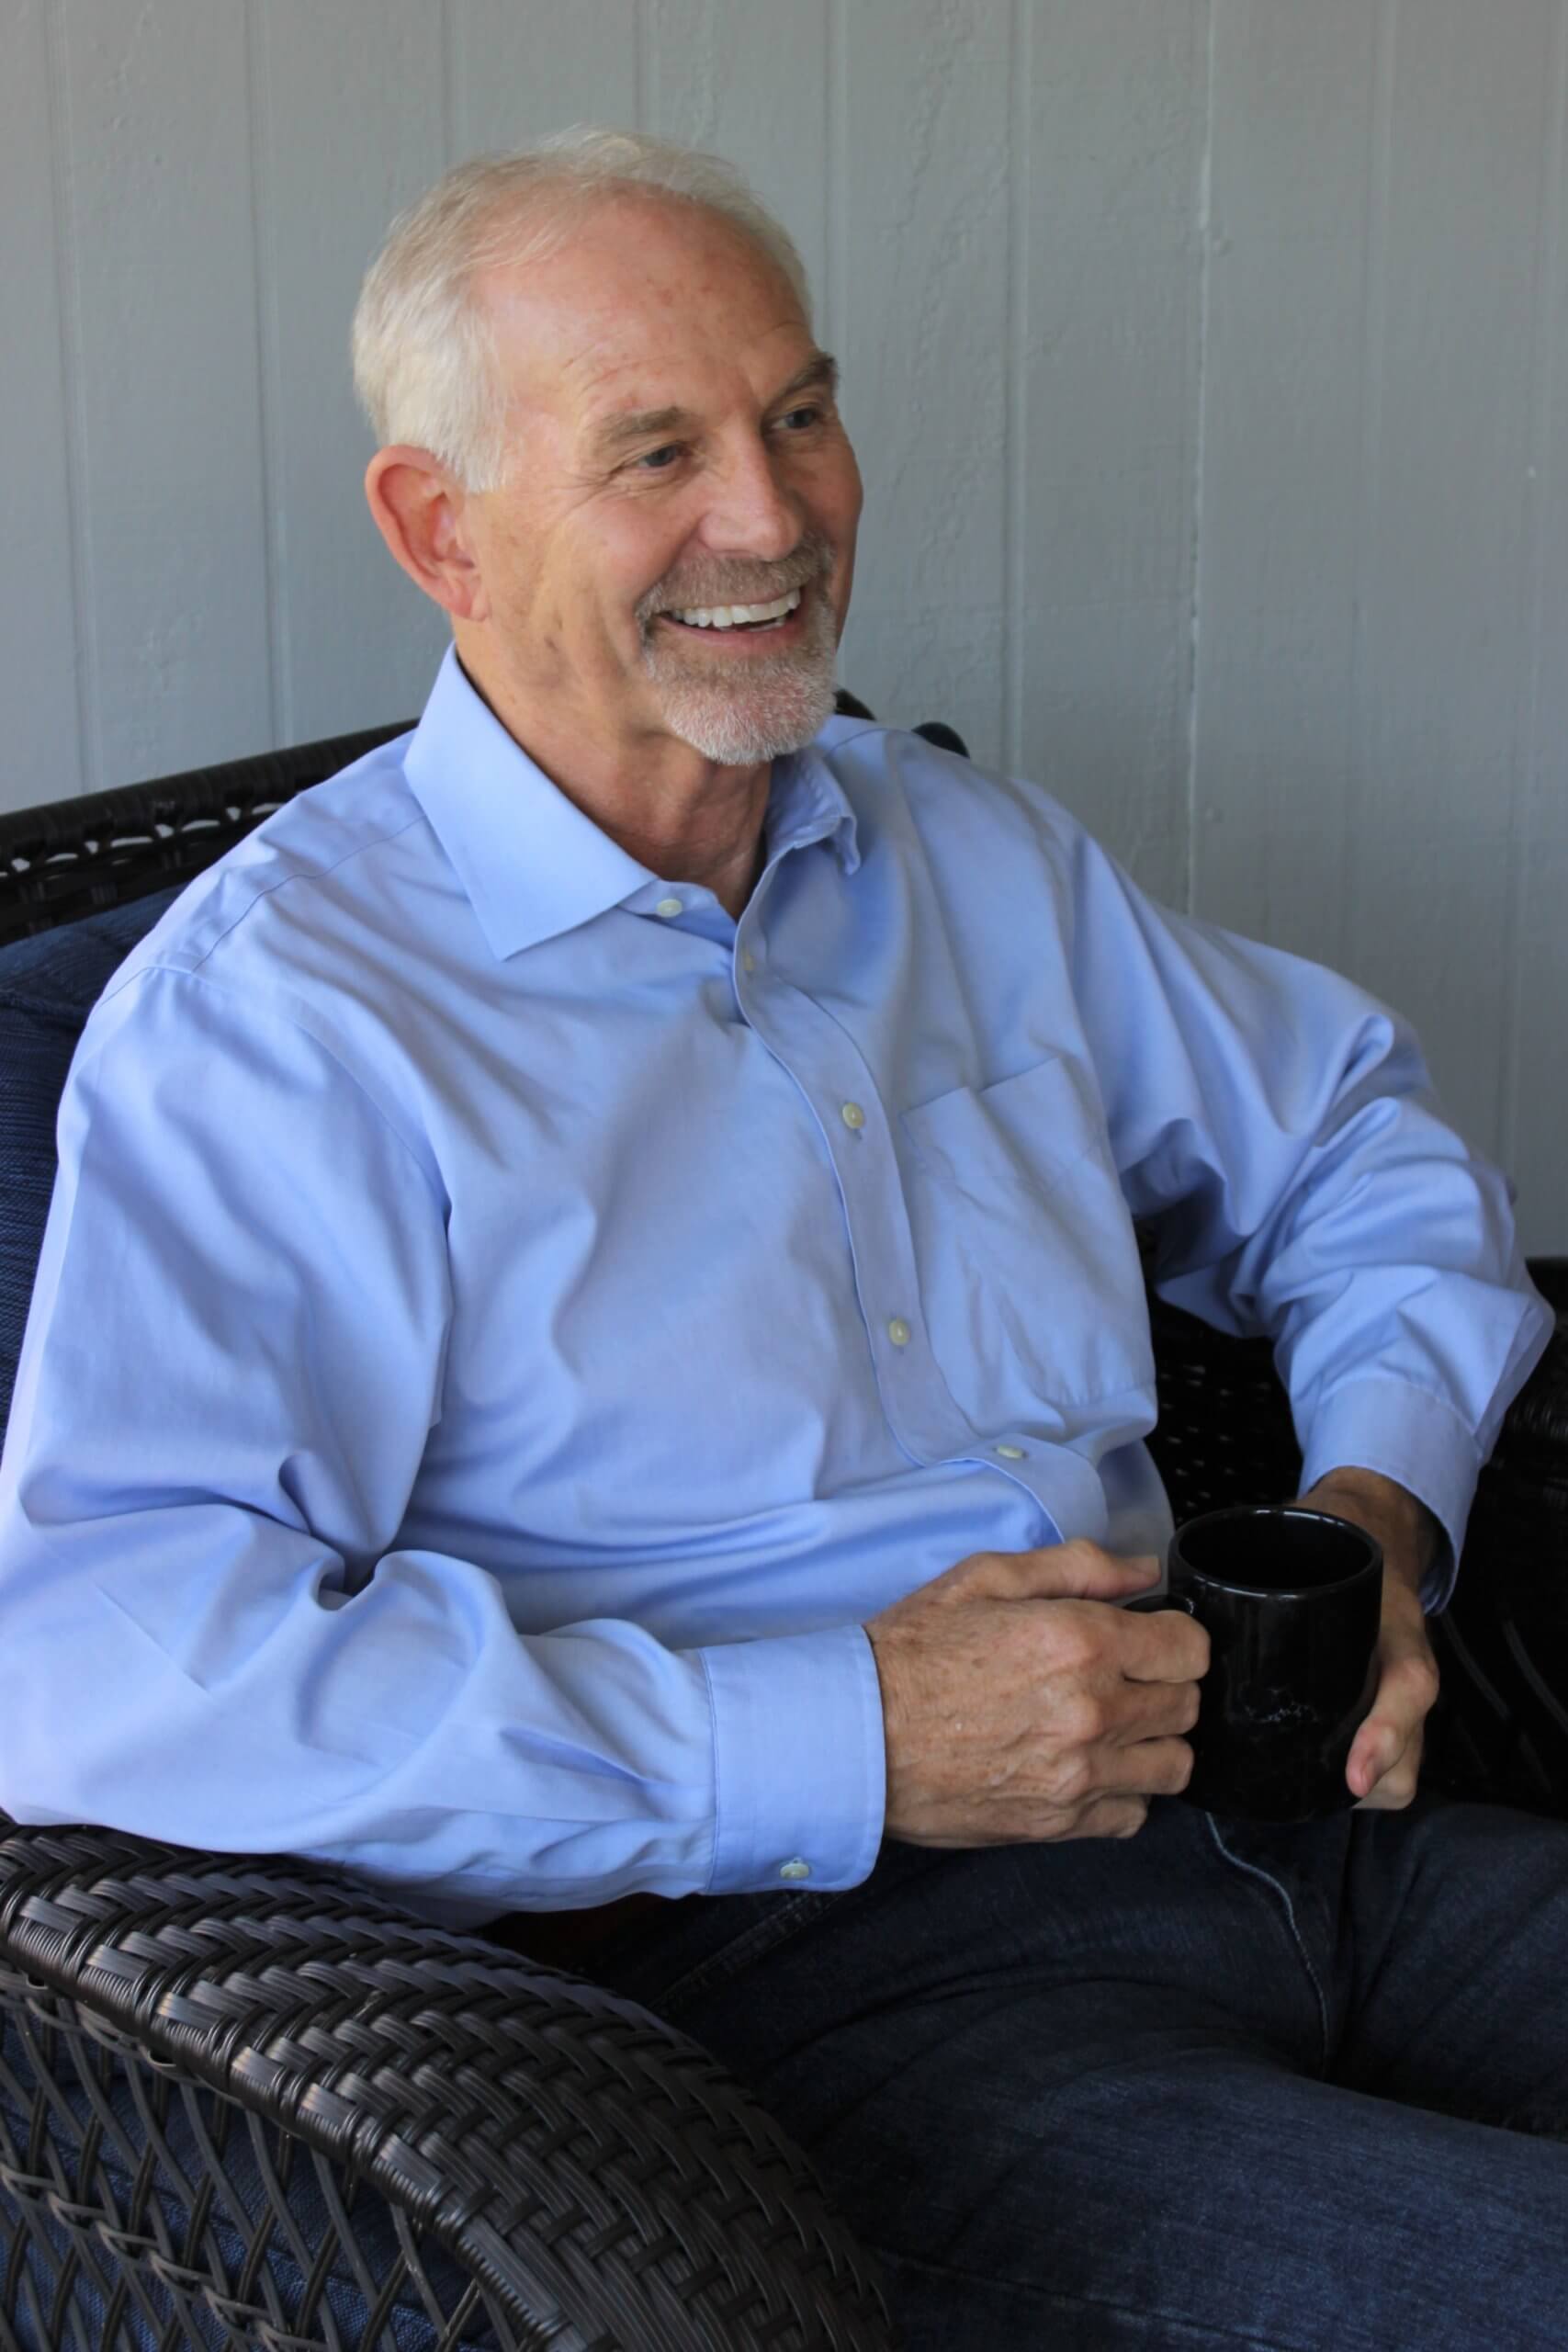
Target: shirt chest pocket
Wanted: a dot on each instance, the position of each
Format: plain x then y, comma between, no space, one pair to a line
1029,1264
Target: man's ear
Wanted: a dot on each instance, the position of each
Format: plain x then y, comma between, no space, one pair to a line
419,511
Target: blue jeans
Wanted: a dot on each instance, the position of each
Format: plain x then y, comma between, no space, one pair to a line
1216,2085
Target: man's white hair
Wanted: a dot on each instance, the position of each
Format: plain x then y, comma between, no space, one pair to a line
424,359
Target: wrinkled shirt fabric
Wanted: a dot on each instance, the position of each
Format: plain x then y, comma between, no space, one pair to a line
504,1325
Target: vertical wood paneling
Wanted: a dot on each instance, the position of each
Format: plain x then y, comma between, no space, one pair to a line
1293,275
717,75
1208,361
1366,551
521,68
1116,110
1445,586
1536,1044
347,133
43,748
158,176
922,332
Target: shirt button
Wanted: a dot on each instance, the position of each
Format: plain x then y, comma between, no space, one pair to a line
796,1869
747,961
898,1331
853,1116
668,907
1010,1452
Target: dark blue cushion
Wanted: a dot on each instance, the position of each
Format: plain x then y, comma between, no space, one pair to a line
49,984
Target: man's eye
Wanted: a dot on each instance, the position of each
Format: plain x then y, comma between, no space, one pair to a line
801,420
658,461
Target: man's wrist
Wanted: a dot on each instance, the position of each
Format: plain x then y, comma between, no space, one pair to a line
1407,1531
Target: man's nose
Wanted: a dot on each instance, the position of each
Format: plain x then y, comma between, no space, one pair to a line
751,512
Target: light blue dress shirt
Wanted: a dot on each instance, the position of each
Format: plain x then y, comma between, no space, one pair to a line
503,1325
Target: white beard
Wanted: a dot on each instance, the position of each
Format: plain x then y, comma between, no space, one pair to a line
772,707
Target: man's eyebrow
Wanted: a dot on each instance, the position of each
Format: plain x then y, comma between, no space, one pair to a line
820,373
616,432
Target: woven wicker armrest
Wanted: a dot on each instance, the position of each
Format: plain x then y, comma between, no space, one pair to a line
603,2181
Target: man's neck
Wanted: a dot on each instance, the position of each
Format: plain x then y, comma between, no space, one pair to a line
685,818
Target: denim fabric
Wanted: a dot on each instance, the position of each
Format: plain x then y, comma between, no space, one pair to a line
1219,2084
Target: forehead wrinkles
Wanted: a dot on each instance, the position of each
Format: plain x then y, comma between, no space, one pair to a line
597,329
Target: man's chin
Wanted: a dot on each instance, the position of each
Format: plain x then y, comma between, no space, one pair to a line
738,723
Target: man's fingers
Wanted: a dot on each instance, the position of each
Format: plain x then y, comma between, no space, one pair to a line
1408,1690
1150,1767
1167,1646
1112,1817
1074,1571
1388,1782
1385,1756
1375,1750
1151,1710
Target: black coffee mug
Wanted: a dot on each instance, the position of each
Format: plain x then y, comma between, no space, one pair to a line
1291,1602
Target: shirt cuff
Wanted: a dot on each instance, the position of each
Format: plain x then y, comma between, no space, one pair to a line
1416,1439
799,1761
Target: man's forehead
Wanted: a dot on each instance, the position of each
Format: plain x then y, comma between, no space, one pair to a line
636,308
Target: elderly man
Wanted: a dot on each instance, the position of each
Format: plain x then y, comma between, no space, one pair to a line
629,1192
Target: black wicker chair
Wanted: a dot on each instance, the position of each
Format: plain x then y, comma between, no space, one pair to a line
245,2101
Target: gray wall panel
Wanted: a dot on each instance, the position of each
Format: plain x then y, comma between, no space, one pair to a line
39,519
167,387
923,181
1108,365
1535,1037
518,69
346,132
1293,269
1440,700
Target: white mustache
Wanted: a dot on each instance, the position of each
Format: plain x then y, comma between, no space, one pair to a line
735,586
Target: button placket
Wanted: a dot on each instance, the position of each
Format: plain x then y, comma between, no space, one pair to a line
923,1415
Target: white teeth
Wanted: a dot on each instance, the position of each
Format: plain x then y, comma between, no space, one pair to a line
726,615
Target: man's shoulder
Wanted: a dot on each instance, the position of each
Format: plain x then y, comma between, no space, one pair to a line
333,864
946,790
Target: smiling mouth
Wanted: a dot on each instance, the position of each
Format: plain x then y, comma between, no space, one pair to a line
748,619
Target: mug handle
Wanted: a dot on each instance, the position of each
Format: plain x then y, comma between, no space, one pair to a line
1146,1603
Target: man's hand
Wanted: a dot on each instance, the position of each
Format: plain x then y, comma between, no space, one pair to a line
1020,1707
1385,1759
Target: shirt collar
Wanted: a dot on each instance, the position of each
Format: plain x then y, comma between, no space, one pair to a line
531,863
